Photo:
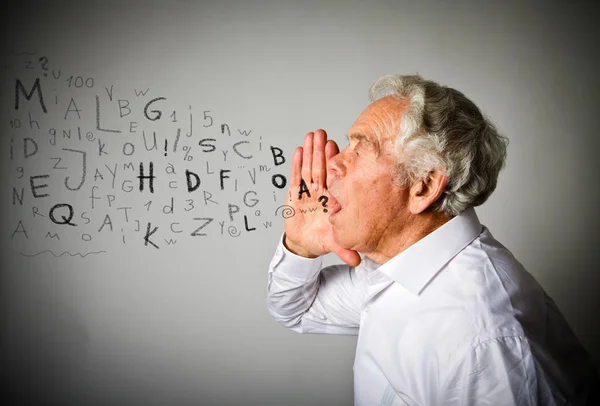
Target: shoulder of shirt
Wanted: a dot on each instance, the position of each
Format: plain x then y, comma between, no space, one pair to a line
486,292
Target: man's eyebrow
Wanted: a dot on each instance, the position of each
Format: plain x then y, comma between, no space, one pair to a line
359,137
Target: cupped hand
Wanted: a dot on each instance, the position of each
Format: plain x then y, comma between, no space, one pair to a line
308,232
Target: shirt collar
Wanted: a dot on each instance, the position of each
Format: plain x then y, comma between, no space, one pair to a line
416,266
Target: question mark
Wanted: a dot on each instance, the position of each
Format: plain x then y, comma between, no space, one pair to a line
44,61
324,200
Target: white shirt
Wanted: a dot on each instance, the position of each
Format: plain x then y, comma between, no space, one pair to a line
454,319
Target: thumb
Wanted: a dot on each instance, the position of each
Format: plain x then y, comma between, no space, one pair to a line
348,256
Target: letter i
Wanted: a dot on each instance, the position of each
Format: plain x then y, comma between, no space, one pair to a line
11,149
274,196
123,237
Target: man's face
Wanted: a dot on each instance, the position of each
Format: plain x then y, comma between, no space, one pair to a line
370,207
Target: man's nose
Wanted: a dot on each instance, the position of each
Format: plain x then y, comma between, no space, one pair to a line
336,166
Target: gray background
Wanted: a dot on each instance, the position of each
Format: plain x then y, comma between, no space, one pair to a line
187,323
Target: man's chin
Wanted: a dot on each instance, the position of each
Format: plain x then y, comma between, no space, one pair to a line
338,237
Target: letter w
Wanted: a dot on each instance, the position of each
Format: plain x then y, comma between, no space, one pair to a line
140,92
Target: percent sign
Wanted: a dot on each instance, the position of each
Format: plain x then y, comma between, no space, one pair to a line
188,156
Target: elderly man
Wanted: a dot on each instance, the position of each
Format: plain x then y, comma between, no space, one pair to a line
444,313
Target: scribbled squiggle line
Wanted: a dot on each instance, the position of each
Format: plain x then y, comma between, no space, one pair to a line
66,252
286,212
233,231
20,53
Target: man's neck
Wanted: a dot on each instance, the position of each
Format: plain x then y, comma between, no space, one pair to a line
399,239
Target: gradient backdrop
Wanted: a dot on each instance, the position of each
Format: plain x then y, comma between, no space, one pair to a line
91,314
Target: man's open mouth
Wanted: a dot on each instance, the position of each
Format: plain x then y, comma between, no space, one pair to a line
334,205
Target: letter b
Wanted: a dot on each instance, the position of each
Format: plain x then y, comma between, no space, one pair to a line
124,107
278,157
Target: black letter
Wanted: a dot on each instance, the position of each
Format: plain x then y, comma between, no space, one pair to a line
33,187
207,222
36,86
246,224
210,146
303,189
231,210
148,234
278,155
221,174
157,112
189,180
98,118
65,219
237,152
82,175
150,176
279,184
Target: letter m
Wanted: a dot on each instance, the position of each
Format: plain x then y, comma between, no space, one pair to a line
52,235
19,88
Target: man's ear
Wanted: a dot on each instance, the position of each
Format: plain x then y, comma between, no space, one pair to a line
426,191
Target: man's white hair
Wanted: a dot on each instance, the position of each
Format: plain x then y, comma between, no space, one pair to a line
442,129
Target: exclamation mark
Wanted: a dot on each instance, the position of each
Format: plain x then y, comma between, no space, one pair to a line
165,147
176,140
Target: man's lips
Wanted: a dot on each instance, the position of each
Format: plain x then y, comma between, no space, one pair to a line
334,205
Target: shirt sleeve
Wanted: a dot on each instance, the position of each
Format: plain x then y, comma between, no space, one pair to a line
307,299
498,372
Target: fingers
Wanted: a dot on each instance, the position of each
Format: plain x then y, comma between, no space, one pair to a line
314,159
331,149
296,168
348,256
307,158
319,172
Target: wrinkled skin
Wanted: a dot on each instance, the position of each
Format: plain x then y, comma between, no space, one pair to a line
367,211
